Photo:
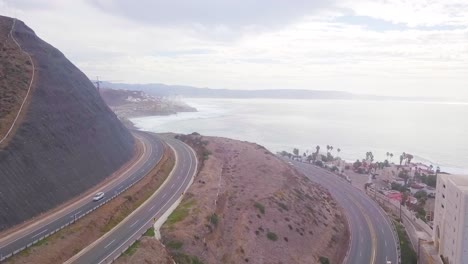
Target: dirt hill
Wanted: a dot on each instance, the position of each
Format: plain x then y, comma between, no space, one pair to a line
15,76
66,139
248,206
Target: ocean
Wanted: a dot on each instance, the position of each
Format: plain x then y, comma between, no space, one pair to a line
435,133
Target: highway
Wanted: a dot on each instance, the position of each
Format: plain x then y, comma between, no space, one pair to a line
372,238
112,244
153,149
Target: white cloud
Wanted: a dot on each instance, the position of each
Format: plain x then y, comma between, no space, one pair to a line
310,52
413,13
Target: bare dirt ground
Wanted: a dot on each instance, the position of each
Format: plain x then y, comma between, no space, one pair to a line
248,206
64,244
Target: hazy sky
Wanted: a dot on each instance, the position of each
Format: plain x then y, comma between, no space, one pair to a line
410,47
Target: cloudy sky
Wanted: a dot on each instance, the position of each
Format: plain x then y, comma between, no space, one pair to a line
385,47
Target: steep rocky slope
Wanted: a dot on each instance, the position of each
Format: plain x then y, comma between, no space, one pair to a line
248,206
66,140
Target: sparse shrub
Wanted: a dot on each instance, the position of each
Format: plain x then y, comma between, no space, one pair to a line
260,207
282,205
174,244
272,236
181,258
214,219
324,260
206,154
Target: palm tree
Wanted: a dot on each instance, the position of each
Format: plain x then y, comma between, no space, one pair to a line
391,155
328,148
317,152
296,151
409,157
338,150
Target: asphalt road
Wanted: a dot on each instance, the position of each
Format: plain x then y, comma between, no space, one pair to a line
17,241
372,237
111,245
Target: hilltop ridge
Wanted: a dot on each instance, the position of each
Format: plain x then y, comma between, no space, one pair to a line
66,139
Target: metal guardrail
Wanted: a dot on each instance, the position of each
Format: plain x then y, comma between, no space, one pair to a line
9,255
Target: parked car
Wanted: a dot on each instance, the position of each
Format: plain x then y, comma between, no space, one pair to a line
98,196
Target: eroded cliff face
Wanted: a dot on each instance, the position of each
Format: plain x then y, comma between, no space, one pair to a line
67,139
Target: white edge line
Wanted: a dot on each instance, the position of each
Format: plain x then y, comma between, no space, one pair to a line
83,251
194,173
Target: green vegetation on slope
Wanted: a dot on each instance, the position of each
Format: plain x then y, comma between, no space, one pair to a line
174,244
132,249
180,212
408,256
181,258
150,232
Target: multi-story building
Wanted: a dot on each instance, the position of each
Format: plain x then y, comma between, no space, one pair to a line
451,218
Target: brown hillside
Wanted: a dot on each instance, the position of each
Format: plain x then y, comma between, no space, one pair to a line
15,75
66,141
248,206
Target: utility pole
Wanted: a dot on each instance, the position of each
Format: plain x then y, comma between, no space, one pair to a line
98,83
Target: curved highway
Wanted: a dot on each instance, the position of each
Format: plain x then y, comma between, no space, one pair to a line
15,242
112,244
372,238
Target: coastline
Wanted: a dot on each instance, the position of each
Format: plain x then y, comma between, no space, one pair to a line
239,119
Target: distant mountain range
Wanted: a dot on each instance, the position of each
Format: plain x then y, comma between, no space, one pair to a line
157,89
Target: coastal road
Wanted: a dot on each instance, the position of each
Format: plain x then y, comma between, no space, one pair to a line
153,149
113,243
372,238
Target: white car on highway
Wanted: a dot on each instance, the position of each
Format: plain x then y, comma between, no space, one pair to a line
98,196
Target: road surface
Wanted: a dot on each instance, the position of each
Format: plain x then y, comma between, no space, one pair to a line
112,244
372,238
17,241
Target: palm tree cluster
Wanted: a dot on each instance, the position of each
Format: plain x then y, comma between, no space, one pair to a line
389,155
370,156
407,157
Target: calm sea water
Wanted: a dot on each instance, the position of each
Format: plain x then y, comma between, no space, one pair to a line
435,133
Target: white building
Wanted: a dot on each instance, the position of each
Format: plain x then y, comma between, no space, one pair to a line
451,218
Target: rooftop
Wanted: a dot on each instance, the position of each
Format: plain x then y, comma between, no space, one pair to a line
461,181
